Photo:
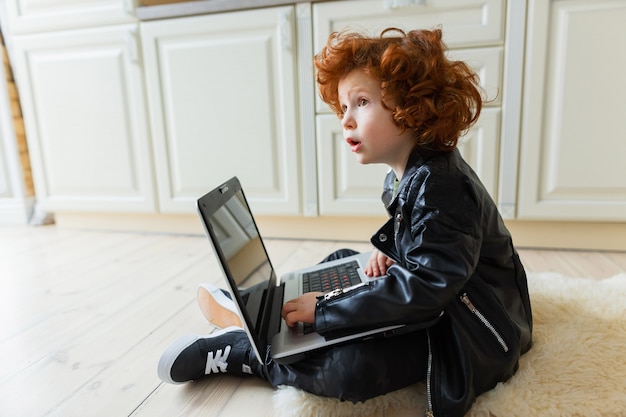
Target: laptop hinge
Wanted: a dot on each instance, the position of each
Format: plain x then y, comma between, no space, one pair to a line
272,317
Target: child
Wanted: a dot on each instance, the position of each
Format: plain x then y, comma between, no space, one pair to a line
447,263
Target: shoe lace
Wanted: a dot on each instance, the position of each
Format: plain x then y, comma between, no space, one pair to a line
217,363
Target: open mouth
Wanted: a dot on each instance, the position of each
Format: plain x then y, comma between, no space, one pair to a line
354,144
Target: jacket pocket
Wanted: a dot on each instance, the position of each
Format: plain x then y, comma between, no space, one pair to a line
465,299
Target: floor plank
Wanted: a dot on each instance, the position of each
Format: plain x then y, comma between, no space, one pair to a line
86,316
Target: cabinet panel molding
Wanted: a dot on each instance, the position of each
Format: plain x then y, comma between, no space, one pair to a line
221,90
572,167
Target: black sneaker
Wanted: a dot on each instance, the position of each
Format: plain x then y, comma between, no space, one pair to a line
193,357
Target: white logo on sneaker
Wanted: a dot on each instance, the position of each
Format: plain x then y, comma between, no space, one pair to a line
218,363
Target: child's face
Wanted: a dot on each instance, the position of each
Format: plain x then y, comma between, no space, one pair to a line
368,127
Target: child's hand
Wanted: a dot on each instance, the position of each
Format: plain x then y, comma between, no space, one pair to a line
377,264
300,309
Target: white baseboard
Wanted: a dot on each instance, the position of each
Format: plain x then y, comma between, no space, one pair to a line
15,211
526,234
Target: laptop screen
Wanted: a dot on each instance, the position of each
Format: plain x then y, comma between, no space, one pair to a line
238,246
240,242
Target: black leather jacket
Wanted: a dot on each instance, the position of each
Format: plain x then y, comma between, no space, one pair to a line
456,274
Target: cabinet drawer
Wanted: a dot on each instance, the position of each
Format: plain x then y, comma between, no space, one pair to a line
465,23
29,16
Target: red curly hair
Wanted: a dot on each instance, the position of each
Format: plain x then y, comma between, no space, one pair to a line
438,98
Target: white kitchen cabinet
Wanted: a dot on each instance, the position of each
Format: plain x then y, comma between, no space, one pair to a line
474,30
83,104
16,195
573,141
223,102
29,16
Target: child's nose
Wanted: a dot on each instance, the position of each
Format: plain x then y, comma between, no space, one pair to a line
348,121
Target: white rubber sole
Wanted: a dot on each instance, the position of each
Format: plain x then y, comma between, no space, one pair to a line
217,308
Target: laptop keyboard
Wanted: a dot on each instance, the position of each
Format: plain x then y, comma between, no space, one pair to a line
328,279
331,278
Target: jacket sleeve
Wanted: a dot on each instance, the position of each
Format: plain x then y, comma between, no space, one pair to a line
436,231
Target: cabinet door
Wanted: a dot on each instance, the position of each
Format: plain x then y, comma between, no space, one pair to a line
473,30
344,185
572,165
28,16
222,100
83,103
480,149
347,187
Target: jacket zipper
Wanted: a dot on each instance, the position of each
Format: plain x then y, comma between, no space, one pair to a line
396,228
466,300
429,398
334,294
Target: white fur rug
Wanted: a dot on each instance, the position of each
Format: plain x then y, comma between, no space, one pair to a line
577,366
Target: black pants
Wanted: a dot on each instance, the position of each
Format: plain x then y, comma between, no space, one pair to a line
354,371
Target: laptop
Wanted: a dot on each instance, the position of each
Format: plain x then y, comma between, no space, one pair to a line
254,286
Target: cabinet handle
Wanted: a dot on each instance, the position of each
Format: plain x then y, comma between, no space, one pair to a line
131,44
398,4
284,29
129,7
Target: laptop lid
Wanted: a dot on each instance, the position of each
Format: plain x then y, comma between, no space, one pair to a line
236,241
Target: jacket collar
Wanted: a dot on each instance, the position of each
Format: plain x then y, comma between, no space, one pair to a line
417,158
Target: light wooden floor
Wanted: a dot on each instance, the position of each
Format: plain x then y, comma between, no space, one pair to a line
85,316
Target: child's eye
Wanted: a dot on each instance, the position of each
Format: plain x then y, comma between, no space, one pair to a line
363,102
